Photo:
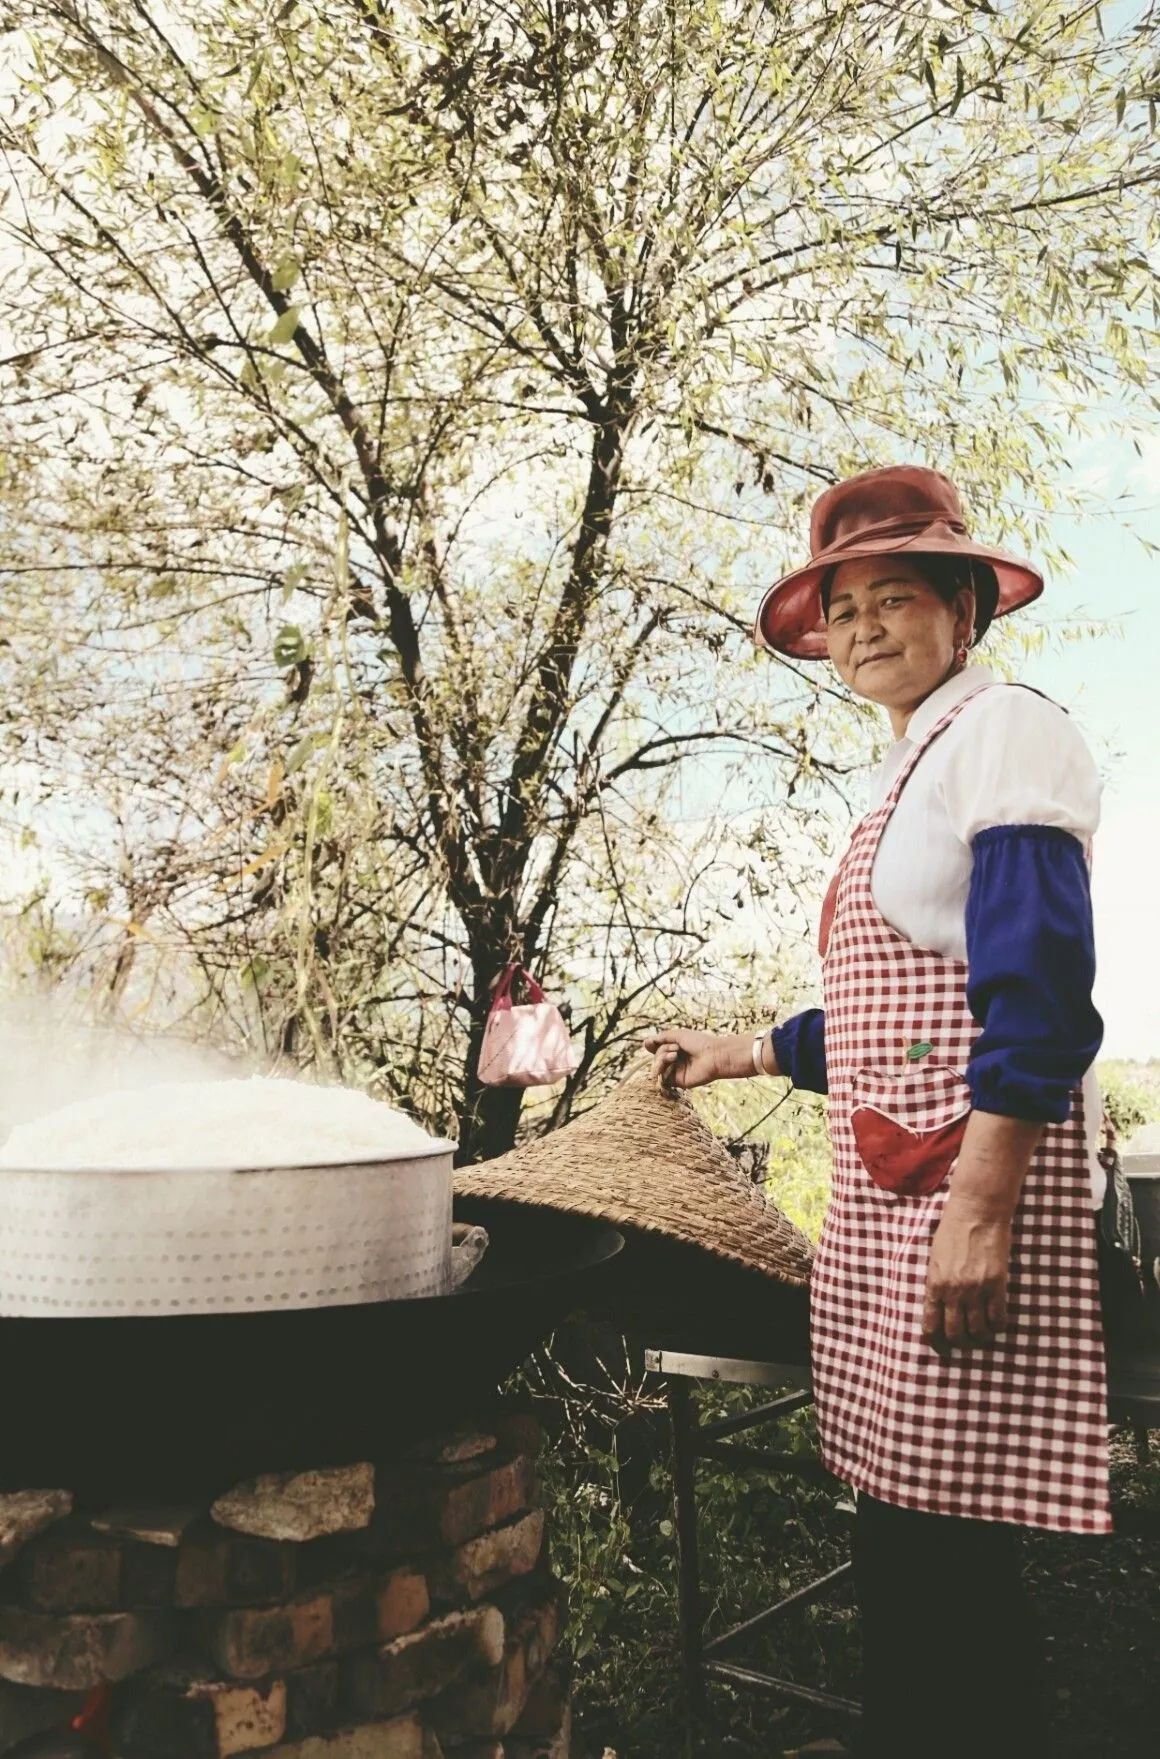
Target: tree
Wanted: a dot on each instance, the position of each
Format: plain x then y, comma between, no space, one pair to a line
406,401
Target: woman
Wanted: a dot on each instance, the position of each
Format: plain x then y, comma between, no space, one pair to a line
957,1347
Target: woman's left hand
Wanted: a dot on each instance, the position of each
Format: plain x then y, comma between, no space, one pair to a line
966,1280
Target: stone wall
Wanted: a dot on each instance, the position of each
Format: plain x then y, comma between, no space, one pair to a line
398,1612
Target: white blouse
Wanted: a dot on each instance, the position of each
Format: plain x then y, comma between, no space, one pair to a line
1011,758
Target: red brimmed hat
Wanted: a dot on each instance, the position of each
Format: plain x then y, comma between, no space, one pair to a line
905,510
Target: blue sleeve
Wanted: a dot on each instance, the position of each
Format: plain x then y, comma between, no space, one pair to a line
799,1045
1030,969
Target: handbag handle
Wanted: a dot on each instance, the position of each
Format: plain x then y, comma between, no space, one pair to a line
503,989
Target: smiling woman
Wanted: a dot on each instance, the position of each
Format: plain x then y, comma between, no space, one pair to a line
957,1345
884,626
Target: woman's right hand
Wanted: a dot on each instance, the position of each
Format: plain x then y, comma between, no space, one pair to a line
693,1059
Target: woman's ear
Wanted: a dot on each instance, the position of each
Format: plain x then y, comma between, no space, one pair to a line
964,608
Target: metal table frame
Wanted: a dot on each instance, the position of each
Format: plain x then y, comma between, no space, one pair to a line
1133,1399
692,1440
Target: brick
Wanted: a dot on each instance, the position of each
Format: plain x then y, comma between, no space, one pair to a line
538,1631
374,1610
547,1706
495,1558
222,1569
159,1719
455,1448
519,1432
557,1746
422,1509
403,1737
492,1702
78,1652
320,1562
488,1701
181,1711
299,1506
470,1508
151,1524
250,1642
148,1576
312,1700
422,1664
27,1711
72,1571
402,1604
246,1718
26,1513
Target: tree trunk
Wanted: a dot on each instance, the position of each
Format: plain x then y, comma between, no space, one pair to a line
488,1116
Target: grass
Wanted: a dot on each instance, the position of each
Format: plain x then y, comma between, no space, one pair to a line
761,1537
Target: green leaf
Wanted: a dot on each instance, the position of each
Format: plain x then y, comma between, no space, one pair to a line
960,85
290,647
916,1052
286,271
300,752
255,75
1121,104
287,324
292,580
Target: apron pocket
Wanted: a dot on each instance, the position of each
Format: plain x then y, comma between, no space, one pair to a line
908,1128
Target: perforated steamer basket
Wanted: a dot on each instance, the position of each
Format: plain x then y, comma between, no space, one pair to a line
106,1242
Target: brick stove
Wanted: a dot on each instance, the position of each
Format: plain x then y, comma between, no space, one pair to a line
402,1611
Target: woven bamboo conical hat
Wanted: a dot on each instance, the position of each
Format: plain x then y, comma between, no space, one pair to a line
642,1158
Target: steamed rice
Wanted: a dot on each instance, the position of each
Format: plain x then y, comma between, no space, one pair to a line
260,1122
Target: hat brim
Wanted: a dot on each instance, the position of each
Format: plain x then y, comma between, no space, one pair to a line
790,619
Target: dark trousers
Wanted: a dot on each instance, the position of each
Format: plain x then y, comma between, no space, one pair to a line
952,1660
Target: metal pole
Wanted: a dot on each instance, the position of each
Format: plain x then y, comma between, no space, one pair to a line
683,1414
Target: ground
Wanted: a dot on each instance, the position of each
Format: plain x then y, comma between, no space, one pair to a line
1099,1601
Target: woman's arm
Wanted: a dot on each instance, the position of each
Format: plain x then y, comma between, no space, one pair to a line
966,1283
1031,964
692,1059
799,1045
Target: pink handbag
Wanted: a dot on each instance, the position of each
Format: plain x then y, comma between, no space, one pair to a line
525,1046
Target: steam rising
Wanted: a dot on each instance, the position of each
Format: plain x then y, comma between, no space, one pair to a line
50,1055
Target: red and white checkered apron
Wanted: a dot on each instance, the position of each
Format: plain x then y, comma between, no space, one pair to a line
1015,1431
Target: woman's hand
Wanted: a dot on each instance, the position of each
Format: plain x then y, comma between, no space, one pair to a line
693,1059
966,1281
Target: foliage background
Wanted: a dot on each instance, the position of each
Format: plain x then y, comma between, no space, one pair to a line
404,402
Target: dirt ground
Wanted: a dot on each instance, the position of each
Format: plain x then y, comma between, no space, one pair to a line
1099,1605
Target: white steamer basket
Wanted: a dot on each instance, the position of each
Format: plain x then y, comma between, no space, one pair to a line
94,1243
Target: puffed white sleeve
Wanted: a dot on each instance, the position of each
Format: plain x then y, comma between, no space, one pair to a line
1019,759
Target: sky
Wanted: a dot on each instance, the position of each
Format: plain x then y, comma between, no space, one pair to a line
1111,685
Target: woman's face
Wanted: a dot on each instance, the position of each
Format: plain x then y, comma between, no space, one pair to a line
891,637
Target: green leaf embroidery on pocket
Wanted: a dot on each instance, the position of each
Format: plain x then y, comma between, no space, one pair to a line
915,1052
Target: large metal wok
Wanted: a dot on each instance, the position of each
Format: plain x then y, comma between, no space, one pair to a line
178,1404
